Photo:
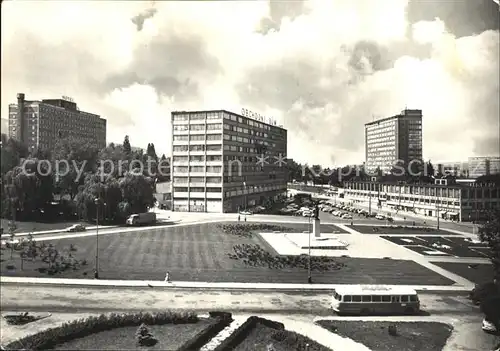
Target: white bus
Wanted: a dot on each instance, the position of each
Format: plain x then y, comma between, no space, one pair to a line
359,299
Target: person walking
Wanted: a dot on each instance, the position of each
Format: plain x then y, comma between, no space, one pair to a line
167,277
239,218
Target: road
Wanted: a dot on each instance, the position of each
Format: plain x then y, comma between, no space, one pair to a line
297,311
15,297
260,218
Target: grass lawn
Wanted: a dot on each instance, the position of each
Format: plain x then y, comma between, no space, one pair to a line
261,338
404,240
412,336
457,246
481,273
24,227
423,250
169,336
200,253
408,230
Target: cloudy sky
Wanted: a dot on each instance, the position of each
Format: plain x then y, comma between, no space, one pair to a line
322,68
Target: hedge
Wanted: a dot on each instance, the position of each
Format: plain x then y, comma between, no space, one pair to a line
207,334
49,338
243,330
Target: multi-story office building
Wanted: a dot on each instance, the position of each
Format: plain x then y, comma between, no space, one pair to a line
446,198
223,162
392,139
39,124
483,165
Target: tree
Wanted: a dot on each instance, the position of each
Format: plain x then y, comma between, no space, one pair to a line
488,294
11,153
489,233
144,336
30,188
126,145
138,192
72,158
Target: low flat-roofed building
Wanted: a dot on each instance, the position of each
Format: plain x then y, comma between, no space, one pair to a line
446,198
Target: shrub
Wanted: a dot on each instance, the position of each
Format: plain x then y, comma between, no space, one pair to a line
83,327
20,319
144,337
255,255
393,330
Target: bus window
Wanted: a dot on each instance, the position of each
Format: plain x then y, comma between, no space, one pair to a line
386,299
413,298
395,298
404,298
376,298
347,298
367,298
356,298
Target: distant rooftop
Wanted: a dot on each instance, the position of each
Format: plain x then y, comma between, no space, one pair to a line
403,114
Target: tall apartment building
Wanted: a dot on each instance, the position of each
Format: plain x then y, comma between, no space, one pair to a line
392,139
215,161
39,124
483,165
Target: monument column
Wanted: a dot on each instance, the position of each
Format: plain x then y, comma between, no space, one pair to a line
316,222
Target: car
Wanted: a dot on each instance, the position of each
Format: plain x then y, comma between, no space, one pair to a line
380,217
488,327
246,213
76,228
346,216
390,219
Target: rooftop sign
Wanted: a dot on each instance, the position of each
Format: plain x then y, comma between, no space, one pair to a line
67,98
257,116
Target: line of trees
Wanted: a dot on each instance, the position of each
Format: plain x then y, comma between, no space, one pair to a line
30,182
303,173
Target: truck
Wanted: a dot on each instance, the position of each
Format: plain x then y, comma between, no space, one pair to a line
141,218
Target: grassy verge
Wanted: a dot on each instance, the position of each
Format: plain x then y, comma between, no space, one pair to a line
264,338
398,229
411,336
169,336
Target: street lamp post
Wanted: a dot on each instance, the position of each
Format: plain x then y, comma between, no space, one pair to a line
437,213
96,273
309,278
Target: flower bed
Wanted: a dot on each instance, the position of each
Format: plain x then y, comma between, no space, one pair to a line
50,338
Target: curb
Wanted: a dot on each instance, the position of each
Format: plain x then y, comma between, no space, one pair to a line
90,283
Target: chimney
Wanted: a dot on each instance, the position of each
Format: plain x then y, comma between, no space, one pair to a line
20,116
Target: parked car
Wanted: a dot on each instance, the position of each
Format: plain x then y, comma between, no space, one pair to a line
488,327
76,228
346,216
380,217
246,213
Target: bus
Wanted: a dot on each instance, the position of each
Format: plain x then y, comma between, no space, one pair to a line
364,300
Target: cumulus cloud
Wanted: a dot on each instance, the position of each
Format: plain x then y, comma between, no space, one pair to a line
321,68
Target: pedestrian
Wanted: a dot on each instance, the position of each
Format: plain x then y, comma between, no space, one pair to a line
245,218
238,218
167,277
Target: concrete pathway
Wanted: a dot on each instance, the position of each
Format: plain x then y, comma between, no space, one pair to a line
224,334
323,336
209,285
65,230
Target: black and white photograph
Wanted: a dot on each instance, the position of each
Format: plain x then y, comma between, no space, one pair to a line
250,175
